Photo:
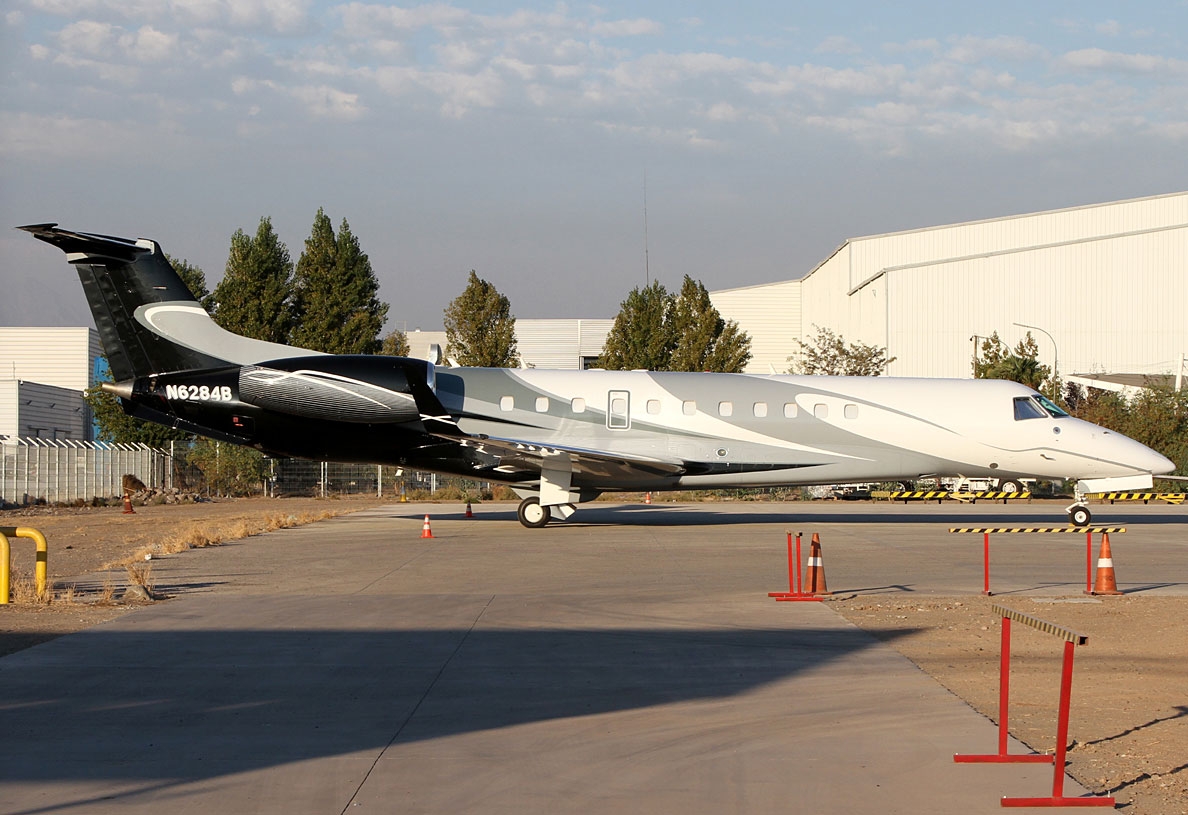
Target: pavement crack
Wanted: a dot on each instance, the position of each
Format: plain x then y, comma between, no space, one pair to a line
412,713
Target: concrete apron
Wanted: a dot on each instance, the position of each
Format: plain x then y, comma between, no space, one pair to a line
570,690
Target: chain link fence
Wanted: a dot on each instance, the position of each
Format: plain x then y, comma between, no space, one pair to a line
62,471
34,471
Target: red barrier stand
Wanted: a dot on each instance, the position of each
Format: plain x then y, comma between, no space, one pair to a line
1071,640
795,593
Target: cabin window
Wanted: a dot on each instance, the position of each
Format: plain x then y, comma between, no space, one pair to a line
654,407
725,408
851,411
789,410
821,410
578,405
507,403
760,410
688,408
542,404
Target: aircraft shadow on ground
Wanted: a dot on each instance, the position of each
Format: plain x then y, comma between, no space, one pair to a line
704,514
166,707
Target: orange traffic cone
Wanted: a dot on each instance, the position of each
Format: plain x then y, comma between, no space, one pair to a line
128,505
814,579
647,498
426,532
469,514
1106,583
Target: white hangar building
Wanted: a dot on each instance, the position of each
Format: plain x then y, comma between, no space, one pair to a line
1104,286
43,372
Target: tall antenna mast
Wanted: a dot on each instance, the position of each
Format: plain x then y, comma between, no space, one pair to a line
647,267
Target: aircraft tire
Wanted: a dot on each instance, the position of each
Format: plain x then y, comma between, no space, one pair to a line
1010,485
1080,516
532,514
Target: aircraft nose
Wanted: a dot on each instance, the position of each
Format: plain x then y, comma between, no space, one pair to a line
1159,464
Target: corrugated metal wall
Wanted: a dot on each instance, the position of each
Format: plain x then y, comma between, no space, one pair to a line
560,344
53,356
771,315
1106,281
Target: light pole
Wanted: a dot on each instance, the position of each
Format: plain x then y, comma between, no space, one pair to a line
1055,356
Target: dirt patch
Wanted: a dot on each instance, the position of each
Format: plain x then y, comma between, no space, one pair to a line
90,549
1128,728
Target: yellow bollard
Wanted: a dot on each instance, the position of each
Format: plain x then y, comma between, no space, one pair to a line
41,570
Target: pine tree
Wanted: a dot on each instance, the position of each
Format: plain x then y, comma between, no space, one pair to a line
254,298
703,340
193,277
657,331
335,305
641,337
480,328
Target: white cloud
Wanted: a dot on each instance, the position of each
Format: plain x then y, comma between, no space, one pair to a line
150,45
838,45
326,102
979,49
1099,59
627,28
1109,27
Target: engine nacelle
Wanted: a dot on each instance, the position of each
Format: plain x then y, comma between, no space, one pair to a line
357,389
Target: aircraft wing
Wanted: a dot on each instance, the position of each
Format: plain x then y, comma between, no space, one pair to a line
589,467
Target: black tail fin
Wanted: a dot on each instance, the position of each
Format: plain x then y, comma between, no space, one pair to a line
120,277
148,320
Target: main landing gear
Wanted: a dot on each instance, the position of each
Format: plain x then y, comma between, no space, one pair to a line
532,514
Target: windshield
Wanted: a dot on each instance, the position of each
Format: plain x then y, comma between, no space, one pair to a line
1036,407
1047,404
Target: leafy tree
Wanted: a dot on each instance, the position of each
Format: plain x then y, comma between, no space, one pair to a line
642,335
1158,417
335,305
193,277
480,328
395,344
254,298
228,469
828,354
658,331
1021,365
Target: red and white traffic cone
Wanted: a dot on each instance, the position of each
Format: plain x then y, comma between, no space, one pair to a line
469,514
1106,582
647,498
128,505
426,532
814,579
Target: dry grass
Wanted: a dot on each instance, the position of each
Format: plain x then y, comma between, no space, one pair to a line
23,590
199,535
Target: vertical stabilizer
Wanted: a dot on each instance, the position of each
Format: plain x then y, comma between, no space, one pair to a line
148,320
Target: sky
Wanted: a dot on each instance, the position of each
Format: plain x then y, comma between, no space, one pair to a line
567,152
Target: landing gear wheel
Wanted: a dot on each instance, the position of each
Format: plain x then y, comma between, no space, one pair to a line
1010,485
1080,516
532,514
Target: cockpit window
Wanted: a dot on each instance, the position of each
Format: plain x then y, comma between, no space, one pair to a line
1047,404
1037,407
1025,408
